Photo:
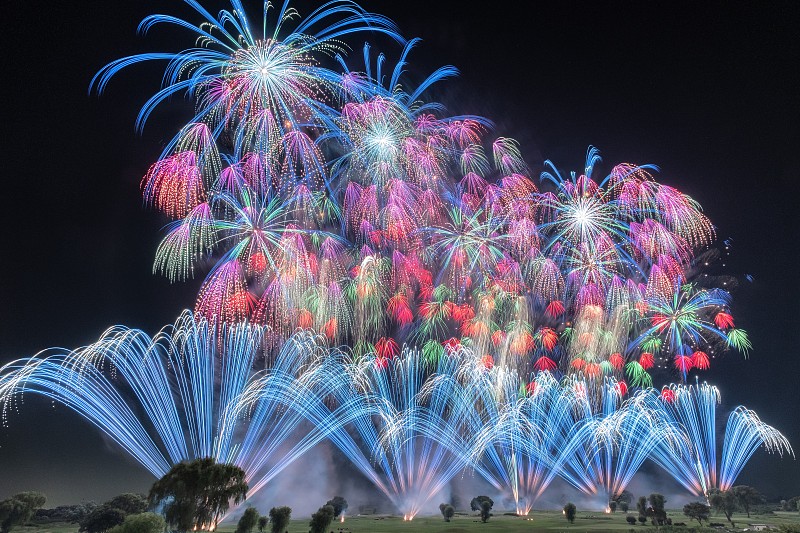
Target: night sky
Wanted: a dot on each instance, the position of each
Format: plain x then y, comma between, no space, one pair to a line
707,91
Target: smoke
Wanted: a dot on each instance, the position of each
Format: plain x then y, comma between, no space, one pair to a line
319,475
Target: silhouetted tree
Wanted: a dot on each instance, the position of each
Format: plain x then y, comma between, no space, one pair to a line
447,511
128,503
623,497
19,508
569,512
262,523
747,496
657,511
248,521
321,519
475,503
195,494
612,506
723,501
66,513
641,506
339,505
486,510
102,519
697,510
113,512
279,518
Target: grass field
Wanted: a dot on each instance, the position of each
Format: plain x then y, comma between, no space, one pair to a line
463,523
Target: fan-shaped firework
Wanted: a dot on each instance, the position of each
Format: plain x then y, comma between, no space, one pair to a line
178,395
690,454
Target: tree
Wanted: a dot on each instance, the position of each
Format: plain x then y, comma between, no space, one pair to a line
129,503
321,519
279,518
659,514
794,503
195,494
697,510
447,511
623,497
262,523
641,506
569,512
339,505
612,506
66,513
747,496
113,512
475,503
486,510
141,523
624,506
248,521
630,519
19,509
723,501
102,519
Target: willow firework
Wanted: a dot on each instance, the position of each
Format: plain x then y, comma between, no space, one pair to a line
327,198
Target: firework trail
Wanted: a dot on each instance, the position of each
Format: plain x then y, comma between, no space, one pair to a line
401,424
525,433
179,395
690,454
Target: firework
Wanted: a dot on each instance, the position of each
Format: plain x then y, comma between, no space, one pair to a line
347,201
403,424
690,454
180,395
393,279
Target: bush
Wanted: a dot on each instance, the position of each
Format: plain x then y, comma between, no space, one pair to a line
141,523
102,519
631,519
569,512
642,519
321,519
279,518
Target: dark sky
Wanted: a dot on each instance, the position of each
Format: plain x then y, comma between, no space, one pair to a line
707,91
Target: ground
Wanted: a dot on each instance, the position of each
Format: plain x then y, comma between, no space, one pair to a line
463,523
